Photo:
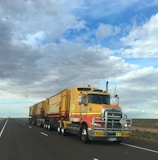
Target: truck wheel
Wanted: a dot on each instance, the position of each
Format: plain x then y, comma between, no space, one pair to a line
117,142
84,134
63,133
49,127
59,129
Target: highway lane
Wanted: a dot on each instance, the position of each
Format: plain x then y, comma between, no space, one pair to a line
21,141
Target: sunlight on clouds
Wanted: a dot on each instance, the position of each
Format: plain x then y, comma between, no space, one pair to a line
35,39
142,40
148,74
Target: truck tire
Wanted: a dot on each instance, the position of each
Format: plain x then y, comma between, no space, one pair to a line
117,142
84,134
49,127
63,133
59,129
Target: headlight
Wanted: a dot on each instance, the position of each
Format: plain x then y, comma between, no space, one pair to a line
126,125
97,124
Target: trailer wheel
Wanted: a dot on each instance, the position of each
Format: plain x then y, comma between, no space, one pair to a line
84,134
49,127
63,133
59,129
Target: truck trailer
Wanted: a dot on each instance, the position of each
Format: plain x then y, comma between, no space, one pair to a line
37,114
84,111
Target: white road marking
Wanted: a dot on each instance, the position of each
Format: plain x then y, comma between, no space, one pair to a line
44,134
95,159
145,149
3,128
30,127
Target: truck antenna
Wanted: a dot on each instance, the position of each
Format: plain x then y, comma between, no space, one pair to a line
115,90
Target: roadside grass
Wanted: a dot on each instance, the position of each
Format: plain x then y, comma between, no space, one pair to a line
145,136
145,130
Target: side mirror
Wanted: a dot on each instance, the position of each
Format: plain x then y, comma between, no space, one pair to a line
115,100
79,99
82,100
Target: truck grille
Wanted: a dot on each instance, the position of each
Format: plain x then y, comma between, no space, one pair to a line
113,124
110,122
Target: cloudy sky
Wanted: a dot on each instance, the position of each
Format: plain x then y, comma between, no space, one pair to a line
48,45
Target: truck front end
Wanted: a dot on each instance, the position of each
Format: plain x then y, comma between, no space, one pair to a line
104,118
112,125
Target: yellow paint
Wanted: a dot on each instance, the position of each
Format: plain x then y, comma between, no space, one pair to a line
99,133
59,103
126,134
77,109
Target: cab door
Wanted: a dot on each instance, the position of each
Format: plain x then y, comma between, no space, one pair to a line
83,105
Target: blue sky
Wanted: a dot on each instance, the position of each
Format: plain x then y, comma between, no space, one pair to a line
47,46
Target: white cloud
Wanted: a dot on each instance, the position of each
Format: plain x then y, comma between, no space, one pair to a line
141,77
106,30
142,40
52,21
63,65
138,92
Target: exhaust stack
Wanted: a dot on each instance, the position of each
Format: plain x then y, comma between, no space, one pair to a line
107,86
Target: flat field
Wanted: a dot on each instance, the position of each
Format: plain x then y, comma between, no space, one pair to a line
145,130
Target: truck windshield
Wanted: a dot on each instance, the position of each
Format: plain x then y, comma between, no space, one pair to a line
98,99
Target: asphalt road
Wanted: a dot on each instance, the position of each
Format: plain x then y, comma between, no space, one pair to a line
20,141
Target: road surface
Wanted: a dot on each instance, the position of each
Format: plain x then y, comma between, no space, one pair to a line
21,141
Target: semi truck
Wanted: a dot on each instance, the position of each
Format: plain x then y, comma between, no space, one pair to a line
85,111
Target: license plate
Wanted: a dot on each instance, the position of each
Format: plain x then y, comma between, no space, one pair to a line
99,133
118,134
